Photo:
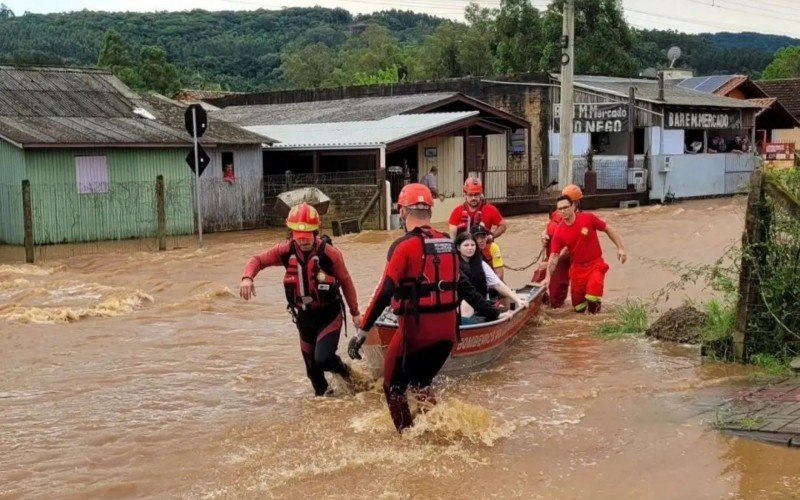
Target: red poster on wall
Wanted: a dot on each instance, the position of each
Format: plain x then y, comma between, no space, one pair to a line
778,151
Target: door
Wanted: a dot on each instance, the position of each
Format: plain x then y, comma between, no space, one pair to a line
476,157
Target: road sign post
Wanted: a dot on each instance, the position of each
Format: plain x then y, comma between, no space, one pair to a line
196,123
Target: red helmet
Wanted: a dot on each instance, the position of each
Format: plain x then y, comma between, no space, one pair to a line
573,191
415,196
473,185
303,220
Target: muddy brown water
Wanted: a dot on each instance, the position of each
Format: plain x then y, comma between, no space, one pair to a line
144,375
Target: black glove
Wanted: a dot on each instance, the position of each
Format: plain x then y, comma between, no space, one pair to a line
354,347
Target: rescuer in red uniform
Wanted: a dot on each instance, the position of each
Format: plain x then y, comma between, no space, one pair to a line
558,288
314,281
476,211
578,233
422,283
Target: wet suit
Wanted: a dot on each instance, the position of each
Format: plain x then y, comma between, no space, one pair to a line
320,322
424,338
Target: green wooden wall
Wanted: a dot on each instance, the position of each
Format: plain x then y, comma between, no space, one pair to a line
12,172
127,210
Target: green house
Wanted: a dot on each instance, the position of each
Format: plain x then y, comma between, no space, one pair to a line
91,149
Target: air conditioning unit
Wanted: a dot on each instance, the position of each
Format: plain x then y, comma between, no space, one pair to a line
637,177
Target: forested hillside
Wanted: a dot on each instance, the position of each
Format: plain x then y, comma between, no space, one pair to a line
318,47
237,50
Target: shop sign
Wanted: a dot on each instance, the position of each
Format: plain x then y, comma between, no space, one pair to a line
702,119
596,117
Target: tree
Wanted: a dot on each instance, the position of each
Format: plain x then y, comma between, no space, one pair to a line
5,12
479,42
309,66
437,57
157,73
519,32
115,53
603,40
786,64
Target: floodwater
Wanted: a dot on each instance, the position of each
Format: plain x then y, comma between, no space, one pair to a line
144,375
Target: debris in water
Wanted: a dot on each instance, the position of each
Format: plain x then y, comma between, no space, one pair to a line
682,325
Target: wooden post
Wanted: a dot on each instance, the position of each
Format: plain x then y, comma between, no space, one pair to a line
748,281
27,215
161,214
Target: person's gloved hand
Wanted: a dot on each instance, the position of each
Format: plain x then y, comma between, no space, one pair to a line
354,347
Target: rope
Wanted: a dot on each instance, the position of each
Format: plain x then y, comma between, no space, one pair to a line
537,259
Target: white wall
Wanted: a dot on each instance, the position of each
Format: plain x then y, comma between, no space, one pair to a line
702,175
449,161
580,143
497,160
673,141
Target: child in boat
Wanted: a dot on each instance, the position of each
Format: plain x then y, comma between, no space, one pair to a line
480,275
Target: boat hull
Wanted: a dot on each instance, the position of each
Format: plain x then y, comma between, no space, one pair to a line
480,344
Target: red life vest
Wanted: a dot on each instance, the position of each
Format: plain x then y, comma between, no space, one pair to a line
435,289
467,220
310,284
486,253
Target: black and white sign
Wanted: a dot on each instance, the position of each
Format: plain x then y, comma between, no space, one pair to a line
596,117
702,119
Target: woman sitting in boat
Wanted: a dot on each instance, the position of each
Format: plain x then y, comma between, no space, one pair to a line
481,275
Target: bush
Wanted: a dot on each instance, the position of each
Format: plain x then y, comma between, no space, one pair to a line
631,319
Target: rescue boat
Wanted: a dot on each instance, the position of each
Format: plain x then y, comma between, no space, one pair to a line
480,344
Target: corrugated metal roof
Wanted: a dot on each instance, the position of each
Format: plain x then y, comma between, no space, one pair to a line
357,134
334,111
69,106
647,90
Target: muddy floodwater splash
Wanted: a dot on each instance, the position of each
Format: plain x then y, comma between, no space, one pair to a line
143,375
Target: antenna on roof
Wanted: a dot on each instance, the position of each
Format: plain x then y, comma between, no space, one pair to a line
673,54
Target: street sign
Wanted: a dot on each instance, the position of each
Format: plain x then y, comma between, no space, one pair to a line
202,120
202,159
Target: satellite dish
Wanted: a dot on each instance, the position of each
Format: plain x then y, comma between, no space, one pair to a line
673,54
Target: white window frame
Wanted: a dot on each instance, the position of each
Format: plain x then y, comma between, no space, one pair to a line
91,174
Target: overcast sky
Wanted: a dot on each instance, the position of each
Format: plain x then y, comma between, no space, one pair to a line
691,16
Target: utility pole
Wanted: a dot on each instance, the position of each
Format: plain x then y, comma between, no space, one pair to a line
567,110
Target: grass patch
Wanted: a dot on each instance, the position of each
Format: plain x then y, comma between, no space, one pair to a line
721,321
770,366
630,319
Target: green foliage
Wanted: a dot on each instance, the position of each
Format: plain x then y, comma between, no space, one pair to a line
156,72
603,40
785,65
388,75
630,319
771,366
721,320
262,49
309,66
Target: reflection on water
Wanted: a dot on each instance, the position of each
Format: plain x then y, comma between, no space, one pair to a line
156,380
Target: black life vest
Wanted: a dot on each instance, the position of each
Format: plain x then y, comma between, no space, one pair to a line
309,282
436,288
467,220
473,269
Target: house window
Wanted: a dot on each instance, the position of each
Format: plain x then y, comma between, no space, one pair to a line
228,174
91,174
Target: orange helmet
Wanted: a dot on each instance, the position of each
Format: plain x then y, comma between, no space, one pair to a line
473,185
303,220
573,191
415,195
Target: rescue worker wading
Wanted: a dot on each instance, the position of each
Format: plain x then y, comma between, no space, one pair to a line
315,272
476,211
422,283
